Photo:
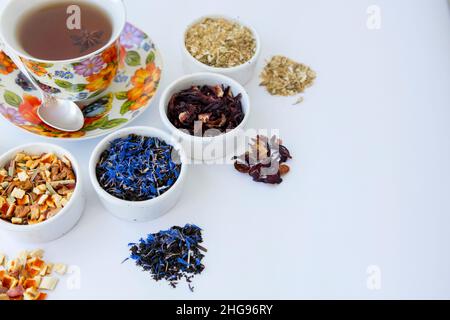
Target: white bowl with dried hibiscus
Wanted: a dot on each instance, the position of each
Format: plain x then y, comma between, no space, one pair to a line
208,113
41,196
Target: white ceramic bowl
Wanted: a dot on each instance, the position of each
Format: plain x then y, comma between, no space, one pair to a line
242,73
66,219
206,148
139,211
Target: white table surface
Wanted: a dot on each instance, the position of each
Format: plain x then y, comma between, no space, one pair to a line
370,183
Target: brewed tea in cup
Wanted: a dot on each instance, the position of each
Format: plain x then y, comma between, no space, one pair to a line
70,48
62,31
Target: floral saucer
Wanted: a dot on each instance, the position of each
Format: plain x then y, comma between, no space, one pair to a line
133,88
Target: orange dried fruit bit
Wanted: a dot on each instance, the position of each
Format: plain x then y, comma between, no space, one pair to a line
42,296
9,282
24,201
34,271
284,169
48,158
31,294
29,264
30,283
4,209
37,262
12,266
2,274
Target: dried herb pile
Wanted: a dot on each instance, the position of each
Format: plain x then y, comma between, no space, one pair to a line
220,43
265,161
211,107
171,255
137,168
285,77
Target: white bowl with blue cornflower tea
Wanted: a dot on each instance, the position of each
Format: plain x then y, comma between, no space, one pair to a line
138,173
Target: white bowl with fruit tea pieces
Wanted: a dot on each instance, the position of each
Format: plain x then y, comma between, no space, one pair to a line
41,196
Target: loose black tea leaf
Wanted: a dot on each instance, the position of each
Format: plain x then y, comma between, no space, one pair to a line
265,162
214,107
171,255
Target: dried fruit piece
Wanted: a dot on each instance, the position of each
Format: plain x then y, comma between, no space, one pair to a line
265,161
31,294
9,282
15,292
37,253
48,283
284,169
60,268
17,193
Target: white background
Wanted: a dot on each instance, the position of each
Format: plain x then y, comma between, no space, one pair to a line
370,182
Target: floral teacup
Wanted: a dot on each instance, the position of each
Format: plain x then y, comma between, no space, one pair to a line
79,79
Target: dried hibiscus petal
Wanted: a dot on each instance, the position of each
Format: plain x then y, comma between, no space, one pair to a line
242,168
272,179
213,107
285,154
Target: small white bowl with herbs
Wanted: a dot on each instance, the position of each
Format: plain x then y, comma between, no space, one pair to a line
221,44
207,113
41,196
138,173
